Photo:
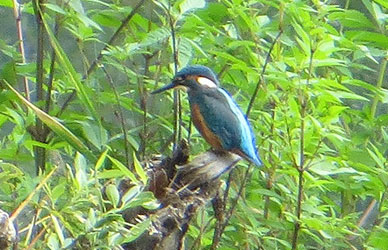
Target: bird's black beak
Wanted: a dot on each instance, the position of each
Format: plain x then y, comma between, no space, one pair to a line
167,87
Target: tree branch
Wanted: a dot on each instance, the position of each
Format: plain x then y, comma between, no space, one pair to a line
182,191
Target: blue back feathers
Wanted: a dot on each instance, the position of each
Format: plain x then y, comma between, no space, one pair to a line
222,115
248,142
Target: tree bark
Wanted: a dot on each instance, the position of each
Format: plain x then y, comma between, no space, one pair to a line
182,188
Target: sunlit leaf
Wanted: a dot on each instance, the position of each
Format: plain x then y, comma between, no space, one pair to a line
113,194
124,170
139,170
188,5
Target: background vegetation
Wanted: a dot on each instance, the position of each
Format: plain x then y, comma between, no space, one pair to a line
313,74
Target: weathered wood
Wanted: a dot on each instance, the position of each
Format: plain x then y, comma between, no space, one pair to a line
182,190
7,231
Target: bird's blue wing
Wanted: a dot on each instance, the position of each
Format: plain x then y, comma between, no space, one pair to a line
248,142
226,120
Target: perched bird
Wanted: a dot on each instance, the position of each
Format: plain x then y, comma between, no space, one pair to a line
215,114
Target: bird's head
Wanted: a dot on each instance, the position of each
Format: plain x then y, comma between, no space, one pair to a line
192,78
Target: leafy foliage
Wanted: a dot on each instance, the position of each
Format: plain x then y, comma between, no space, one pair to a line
319,117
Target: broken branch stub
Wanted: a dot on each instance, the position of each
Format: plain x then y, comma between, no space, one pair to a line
182,190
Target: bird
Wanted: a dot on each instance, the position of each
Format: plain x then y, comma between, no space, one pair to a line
214,112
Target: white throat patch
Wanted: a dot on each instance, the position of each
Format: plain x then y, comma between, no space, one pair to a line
206,82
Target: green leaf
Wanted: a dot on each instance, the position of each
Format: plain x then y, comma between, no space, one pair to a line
352,19
156,37
303,39
55,8
110,174
376,156
55,126
383,3
125,171
139,170
346,95
378,238
96,135
71,73
80,171
188,5
132,193
106,20
136,231
58,229
6,3
113,194
8,72
376,39
101,160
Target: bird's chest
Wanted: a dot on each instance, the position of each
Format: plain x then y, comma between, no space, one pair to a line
203,116
203,110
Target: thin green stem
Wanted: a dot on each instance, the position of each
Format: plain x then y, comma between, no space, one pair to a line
379,84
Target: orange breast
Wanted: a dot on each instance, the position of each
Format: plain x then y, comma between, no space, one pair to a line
200,124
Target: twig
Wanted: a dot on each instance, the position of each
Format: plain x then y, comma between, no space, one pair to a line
66,103
100,55
121,115
18,19
218,233
261,79
17,211
219,213
39,235
144,134
113,38
366,214
301,166
40,153
143,105
177,95
379,84
271,170
51,74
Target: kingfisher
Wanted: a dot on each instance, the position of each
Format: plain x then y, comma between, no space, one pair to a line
215,114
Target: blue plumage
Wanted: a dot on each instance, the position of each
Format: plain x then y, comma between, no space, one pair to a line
215,114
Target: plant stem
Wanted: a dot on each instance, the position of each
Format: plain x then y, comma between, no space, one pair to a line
177,94
17,15
379,84
301,166
271,170
228,214
120,116
261,79
40,153
113,38
100,55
